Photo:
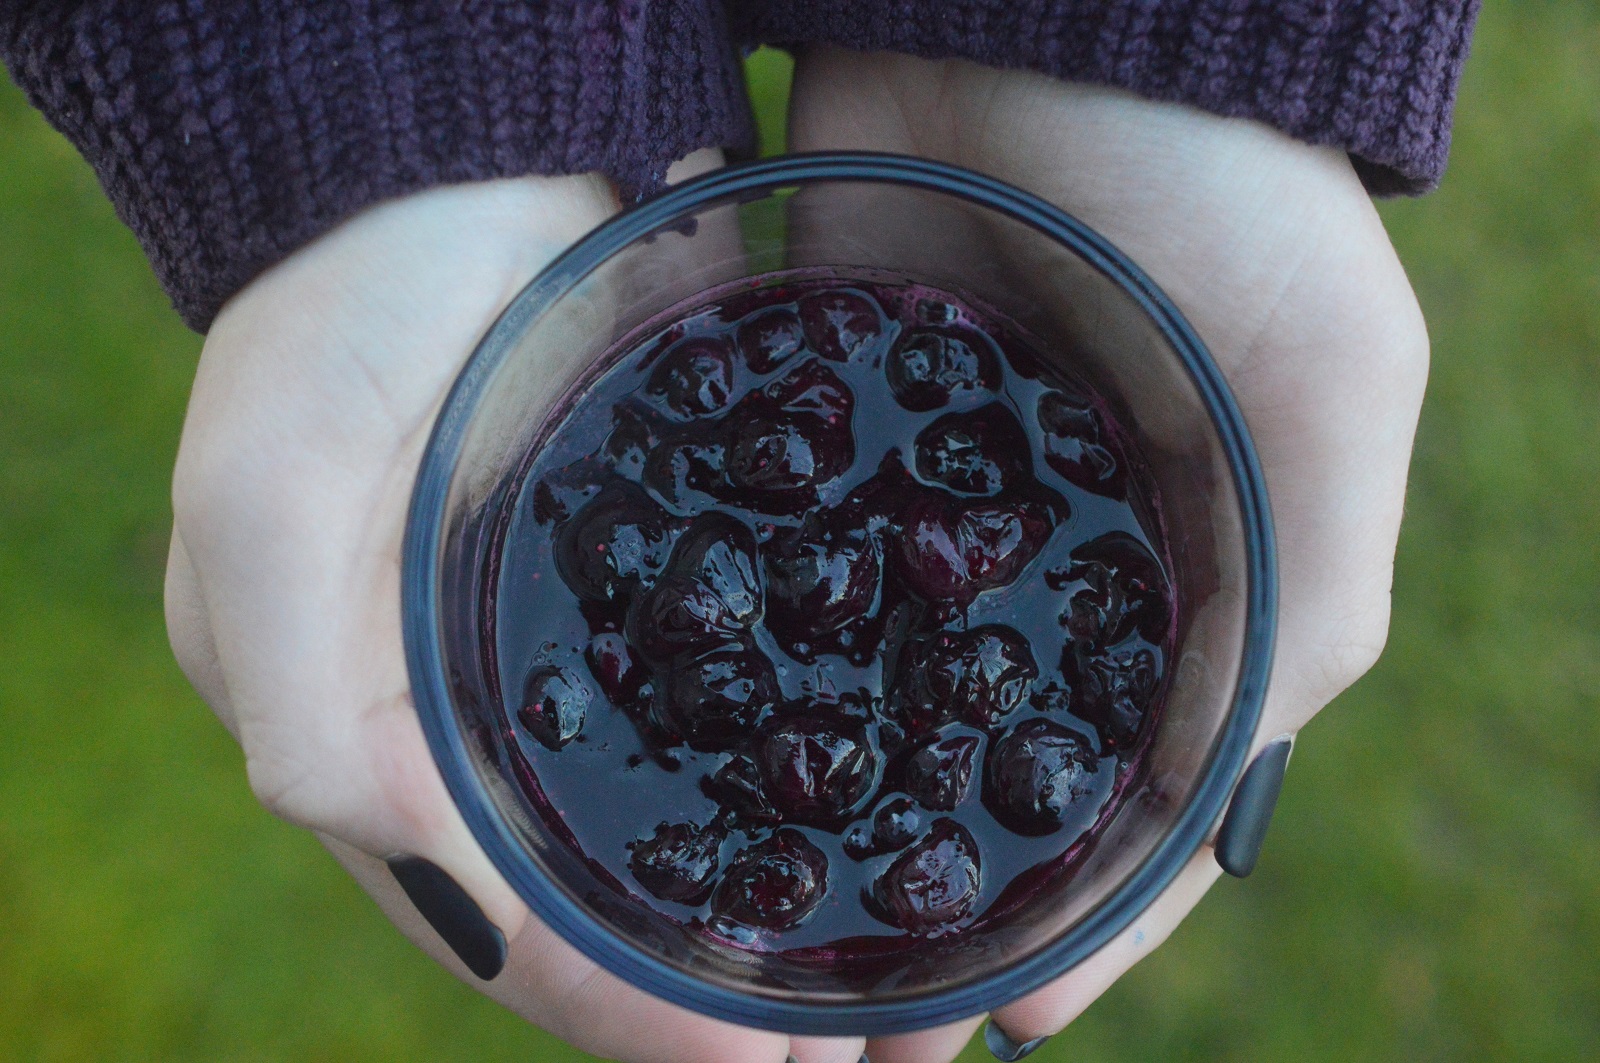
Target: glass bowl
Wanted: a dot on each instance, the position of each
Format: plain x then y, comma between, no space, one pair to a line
1085,304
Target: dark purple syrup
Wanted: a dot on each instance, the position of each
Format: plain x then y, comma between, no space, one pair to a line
827,612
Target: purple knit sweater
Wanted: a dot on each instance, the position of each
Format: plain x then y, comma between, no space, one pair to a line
228,134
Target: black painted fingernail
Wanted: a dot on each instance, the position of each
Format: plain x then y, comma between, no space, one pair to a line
1244,828
1003,1048
451,912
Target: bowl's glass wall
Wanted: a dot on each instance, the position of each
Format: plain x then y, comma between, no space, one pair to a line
1074,311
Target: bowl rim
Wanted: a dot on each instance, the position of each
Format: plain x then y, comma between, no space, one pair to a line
421,626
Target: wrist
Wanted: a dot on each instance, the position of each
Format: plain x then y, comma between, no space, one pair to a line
475,244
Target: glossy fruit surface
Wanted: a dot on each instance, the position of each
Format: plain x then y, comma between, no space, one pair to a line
975,453
939,774
678,862
1078,442
1035,774
952,550
694,378
934,883
828,616
772,885
554,704
932,368
814,768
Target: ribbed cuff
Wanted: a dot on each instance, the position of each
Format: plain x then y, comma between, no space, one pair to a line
1376,78
228,134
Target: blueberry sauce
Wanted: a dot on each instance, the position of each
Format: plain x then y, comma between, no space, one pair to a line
827,611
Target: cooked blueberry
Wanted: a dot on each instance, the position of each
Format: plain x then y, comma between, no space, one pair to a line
679,615
634,435
709,593
1123,590
812,388
737,787
953,551
934,883
621,677
858,843
679,466
720,552
1051,696
936,312
819,581
939,774
794,436
809,544
777,452
772,885
679,862
1035,774
714,700
553,706
914,701
565,491
838,324
1077,443
768,338
895,825
1113,689
930,368
976,453
694,378
980,676
815,769
992,667
619,538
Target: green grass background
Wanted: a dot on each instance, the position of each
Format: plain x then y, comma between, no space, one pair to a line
1431,889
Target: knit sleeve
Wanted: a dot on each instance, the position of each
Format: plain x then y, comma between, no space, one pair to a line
228,133
1374,77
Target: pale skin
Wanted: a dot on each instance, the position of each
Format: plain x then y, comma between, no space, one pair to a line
320,380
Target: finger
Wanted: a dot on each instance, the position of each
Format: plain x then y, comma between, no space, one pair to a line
293,518
826,1049
306,423
1049,1010
550,984
937,1045
189,633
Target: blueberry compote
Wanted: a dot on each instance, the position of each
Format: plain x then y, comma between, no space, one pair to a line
828,616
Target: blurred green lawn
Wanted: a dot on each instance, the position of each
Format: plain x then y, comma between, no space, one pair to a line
1431,890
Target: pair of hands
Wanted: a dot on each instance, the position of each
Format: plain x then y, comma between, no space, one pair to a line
319,383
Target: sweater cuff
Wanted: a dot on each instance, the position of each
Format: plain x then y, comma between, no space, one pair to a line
227,135
1376,78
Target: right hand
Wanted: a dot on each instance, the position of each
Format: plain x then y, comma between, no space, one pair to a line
1272,250
316,391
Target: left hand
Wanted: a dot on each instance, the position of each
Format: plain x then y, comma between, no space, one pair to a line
316,391
1272,250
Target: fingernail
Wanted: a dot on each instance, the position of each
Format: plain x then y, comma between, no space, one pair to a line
1003,1048
1244,827
451,912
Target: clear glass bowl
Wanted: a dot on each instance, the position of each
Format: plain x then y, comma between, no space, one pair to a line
1084,303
